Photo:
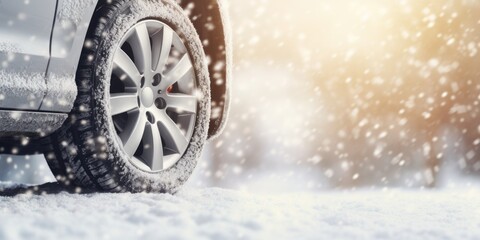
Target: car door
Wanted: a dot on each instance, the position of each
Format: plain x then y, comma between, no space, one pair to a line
25,31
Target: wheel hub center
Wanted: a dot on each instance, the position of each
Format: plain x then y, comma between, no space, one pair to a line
147,97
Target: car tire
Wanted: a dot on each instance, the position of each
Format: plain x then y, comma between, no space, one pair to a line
88,151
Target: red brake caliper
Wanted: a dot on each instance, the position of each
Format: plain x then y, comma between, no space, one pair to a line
170,89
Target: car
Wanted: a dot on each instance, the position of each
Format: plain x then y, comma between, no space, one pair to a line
119,95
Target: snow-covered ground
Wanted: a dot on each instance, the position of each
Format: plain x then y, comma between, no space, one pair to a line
223,214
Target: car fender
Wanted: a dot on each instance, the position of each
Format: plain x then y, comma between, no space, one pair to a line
70,28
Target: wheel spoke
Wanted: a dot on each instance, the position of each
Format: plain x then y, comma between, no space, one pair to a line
163,52
171,133
182,102
123,102
133,134
153,149
142,49
182,68
125,69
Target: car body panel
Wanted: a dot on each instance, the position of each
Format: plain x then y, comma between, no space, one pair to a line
70,28
25,31
29,123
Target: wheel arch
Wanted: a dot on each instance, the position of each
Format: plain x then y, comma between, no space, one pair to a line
210,19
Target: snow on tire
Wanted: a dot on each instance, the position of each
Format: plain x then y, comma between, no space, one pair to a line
90,150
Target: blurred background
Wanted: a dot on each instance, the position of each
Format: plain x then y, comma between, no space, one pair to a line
342,94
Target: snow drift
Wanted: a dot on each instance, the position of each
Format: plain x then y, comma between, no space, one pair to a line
224,214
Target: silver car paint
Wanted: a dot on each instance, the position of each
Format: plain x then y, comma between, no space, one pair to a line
25,30
69,31
38,74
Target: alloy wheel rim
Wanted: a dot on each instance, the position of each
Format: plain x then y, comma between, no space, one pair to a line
153,99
